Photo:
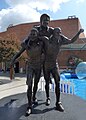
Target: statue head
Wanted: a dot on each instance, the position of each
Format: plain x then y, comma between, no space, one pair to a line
34,30
44,20
44,17
57,30
33,34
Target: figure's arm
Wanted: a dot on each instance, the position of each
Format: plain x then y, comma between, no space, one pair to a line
77,35
69,41
25,42
17,55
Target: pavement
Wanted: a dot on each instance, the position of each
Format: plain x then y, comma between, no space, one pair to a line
11,87
13,103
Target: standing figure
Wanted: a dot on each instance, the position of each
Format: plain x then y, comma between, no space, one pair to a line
44,30
52,47
33,47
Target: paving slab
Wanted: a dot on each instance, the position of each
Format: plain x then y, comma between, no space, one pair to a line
14,108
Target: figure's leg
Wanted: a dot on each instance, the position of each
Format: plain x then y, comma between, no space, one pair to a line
47,81
36,80
29,90
56,76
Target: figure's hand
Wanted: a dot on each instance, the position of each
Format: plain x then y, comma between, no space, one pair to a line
81,30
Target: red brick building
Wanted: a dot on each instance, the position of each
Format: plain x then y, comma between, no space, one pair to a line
69,26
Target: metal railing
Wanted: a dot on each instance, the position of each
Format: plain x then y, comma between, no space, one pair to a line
65,86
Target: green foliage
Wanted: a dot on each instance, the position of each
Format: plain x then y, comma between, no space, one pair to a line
73,61
7,50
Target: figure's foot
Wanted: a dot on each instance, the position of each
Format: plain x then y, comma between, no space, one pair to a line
35,101
59,107
29,111
47,101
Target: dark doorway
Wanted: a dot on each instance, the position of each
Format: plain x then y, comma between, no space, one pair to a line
16,67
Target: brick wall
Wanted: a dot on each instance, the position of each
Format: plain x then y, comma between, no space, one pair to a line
69,28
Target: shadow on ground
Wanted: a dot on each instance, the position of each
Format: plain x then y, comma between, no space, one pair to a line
14,108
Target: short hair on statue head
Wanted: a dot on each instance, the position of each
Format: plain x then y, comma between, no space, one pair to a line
34,29
58,29
45,16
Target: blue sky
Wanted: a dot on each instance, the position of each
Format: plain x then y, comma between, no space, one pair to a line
24,11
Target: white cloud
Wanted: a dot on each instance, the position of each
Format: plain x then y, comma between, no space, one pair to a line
52,5
22,11
17,15
80,1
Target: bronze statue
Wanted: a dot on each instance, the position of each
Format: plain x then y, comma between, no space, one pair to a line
34,48
42,47
52,47
45,30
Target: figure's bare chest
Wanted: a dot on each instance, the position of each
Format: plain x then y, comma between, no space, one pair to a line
52,47
34,50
